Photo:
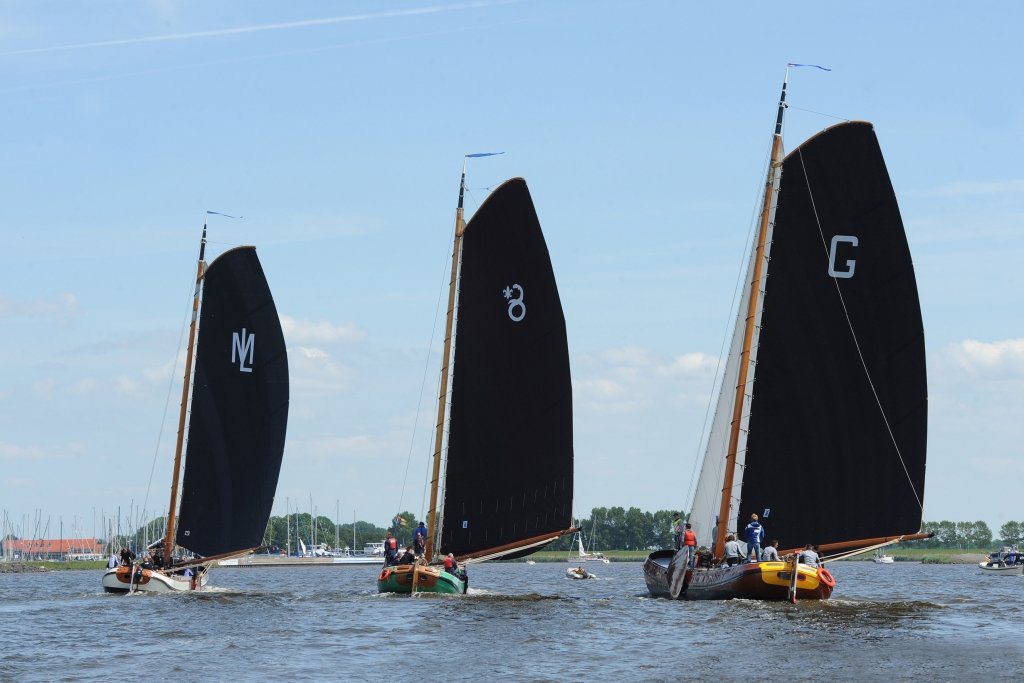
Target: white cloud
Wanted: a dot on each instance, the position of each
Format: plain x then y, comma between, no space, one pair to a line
319,331
1002,358
631,378
335,447
126,385
977,187
597,388
59,307
313,370
44,387
690,365
13,451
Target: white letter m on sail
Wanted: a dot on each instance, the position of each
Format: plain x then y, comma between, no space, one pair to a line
240,347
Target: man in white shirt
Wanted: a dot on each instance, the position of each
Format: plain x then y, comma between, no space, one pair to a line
770,553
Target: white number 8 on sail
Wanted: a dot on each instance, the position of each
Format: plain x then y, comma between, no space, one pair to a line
516,307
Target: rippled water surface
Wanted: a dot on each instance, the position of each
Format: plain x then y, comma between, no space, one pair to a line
902,621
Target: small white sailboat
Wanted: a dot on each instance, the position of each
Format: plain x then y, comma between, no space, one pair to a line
581,553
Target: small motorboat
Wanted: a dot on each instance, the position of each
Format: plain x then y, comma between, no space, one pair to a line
579,573
882,558
1009,561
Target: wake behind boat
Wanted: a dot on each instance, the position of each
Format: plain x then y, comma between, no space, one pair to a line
821,421
508,462
239,412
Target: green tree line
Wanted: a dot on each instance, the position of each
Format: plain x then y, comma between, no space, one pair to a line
607,528
971,535
325,530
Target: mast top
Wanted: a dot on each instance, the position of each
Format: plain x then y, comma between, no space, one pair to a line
782,105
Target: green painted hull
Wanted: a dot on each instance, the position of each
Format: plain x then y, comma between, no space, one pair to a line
398,583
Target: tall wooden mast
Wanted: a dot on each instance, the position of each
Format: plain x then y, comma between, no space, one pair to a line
442,398
767,215
172,509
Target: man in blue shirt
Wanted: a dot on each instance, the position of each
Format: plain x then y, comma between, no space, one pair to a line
419,539
754,534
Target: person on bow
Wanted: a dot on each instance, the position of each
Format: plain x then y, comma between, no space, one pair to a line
677,530
771,552
754,535
809,557
419,539
451,565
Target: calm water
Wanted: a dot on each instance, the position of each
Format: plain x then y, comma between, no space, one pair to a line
524,622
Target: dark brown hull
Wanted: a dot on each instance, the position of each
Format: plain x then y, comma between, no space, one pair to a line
754,581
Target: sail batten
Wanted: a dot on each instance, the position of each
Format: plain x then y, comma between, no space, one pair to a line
508,464
239,411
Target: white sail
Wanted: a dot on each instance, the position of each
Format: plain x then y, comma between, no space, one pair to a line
707,497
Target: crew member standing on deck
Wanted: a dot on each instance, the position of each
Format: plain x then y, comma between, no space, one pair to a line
419,539
690,543
390,549
754,534
677,531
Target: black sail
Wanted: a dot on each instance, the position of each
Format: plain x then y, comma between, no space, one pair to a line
239,410
821,462
509,460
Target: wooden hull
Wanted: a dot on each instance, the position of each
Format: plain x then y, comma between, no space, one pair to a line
753,581
120,580
399,579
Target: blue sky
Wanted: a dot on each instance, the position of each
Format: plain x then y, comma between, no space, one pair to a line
642,129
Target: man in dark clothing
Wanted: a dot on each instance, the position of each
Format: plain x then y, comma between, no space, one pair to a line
677,530
419,539
390,550
127,557
408,557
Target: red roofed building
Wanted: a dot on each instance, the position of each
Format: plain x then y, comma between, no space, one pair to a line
51,548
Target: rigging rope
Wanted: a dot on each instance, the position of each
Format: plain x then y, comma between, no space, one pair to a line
691,491
856,342
419,401
819,113
167,402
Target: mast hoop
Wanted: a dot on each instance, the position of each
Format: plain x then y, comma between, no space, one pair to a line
856,342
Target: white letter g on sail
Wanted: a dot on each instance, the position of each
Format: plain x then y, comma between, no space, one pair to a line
851,264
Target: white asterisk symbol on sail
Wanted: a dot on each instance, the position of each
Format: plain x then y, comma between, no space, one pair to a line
507,292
